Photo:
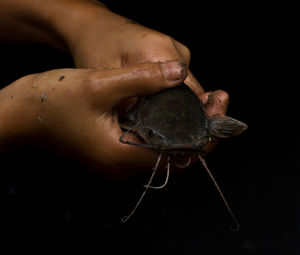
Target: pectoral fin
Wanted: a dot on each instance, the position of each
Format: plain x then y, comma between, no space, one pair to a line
225,127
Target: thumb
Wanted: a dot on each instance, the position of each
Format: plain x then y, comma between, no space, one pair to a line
138,80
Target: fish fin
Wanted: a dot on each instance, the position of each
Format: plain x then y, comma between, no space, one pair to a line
224,127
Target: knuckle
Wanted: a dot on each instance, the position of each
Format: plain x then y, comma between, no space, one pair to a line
138,76
184,52
163,50
135,73
91,82
151,71
161,38
143,71
32,79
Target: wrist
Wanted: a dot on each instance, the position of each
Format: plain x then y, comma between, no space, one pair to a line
67,21
43,21
70,25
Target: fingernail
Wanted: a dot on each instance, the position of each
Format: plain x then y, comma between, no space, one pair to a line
174,70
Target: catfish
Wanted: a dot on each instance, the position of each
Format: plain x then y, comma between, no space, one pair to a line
174,123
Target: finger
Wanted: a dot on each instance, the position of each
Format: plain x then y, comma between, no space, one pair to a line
160,50
192,82
115,85
185,55
178,52
204,97
216,102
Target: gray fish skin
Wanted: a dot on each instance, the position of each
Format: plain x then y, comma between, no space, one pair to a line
175,119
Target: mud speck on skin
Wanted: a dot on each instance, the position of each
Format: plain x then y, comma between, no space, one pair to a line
30,98
43,96
11,96
61,78
40,119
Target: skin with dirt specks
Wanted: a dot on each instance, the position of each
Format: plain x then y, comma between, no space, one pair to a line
174,122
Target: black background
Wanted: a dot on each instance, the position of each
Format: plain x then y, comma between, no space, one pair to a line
50,204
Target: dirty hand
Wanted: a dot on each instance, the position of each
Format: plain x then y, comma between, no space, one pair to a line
102,39
74,111
107,40
97,38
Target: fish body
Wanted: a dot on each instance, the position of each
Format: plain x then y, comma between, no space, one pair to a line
174,122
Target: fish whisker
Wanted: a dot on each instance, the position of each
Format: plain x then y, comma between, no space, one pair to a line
221,193
166,180
125,218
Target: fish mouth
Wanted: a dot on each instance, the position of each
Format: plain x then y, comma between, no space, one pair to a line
181,150
178,149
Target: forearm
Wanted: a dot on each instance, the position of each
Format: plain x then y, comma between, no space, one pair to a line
53,22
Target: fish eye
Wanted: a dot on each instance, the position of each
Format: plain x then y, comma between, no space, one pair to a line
150,133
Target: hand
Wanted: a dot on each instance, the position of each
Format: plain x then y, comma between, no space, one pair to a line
113,41
108,40
75,112
97,38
